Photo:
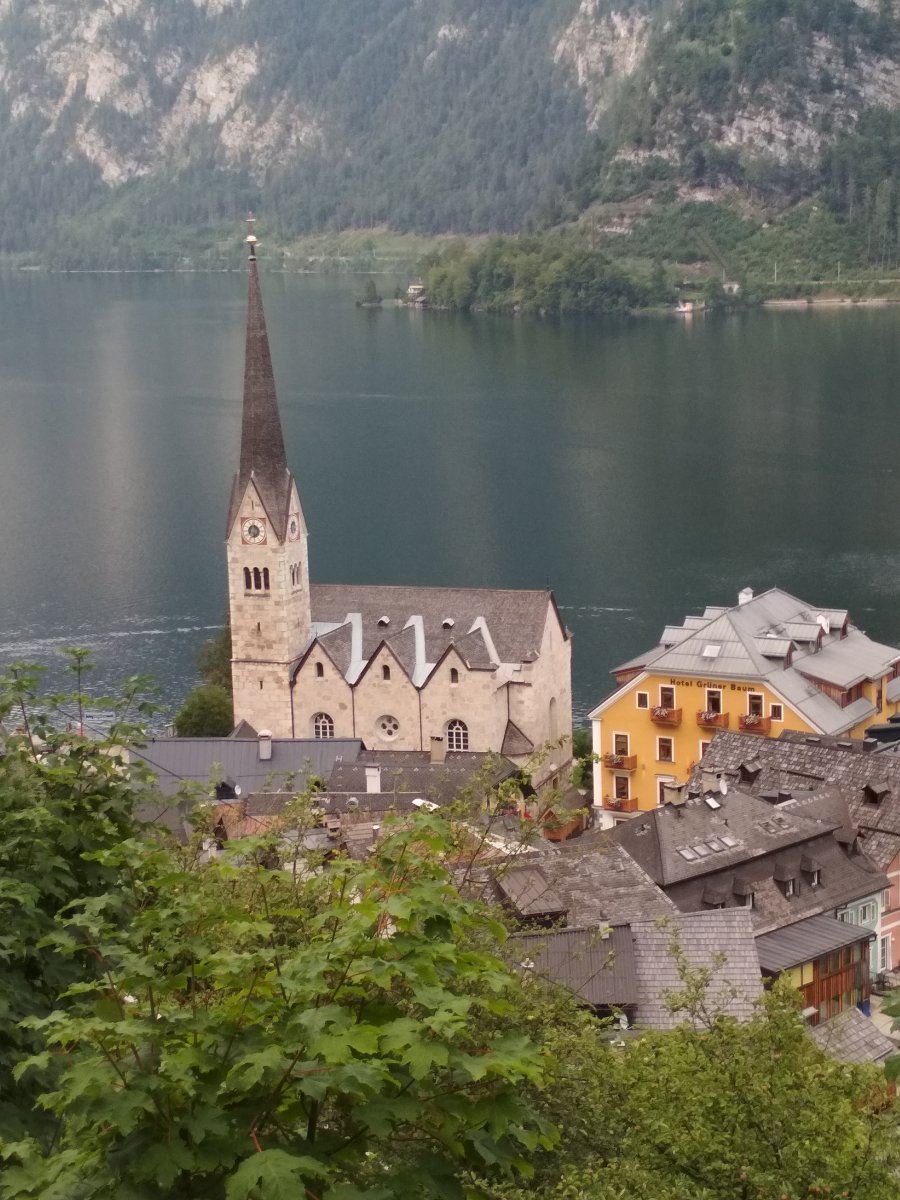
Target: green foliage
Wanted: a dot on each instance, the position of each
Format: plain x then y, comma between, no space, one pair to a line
550,275
714,1110
207,712
64,800
214,659
258,1031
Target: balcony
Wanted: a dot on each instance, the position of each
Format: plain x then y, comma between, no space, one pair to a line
665,716
613,805
620,762
712,720
754,724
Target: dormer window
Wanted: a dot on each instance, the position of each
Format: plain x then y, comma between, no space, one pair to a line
385,620
447,623
786,875
811,869
875,791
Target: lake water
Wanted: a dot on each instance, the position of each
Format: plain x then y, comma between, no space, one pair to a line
642,468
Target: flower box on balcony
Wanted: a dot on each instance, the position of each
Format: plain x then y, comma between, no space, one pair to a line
620,762
629,805
752,723
712,720
665,716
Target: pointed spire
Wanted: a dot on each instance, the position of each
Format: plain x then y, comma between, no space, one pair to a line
262,444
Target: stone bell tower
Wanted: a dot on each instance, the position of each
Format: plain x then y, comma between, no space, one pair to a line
266,542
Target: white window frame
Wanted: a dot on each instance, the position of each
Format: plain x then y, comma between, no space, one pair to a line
671,742
627,795
457,734
750,900
790,887
718,692
762,703
884,952
886,900
617,733
637,698
780,708
865,912
703,747
669,687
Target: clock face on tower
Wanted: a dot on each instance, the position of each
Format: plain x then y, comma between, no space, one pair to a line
293,527
253,531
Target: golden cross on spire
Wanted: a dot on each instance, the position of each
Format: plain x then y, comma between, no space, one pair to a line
250,238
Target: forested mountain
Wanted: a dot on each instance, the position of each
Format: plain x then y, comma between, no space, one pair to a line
121,120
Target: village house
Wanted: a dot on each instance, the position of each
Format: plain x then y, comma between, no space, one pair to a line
486,669
729,849
868,781
768,664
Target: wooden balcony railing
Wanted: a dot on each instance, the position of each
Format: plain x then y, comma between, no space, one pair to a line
712,720
620,762
754,724
629,805
665,716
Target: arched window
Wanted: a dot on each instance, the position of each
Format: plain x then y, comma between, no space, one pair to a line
257,578
323,726
248,581
385,672
266,578
320,671
554,732
457,735
454,675
293,580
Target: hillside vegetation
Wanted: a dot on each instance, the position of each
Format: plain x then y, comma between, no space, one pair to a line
726,136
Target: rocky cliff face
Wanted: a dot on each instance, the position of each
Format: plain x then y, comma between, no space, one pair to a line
453,115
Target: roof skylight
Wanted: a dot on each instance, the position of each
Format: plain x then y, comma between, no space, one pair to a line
711,650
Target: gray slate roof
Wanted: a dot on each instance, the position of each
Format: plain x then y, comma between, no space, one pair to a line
806,940
599,882
632,966
176,761
736,984
853,1037
743,642
515,621
771,844
410,774
797,761
596,963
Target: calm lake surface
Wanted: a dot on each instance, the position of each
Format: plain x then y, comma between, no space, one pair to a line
642,468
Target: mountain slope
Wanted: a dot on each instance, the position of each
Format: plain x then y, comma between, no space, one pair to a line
126,123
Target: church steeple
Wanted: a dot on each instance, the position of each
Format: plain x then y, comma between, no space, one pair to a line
263,458
266,545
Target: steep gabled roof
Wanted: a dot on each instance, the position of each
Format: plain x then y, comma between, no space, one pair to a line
263,460
802,761
783,641
701,937
514,620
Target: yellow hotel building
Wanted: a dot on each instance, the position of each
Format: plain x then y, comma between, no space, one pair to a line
772,662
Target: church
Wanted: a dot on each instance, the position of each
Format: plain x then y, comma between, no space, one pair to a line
402,668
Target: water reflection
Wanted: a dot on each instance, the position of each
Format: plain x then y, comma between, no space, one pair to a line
645,467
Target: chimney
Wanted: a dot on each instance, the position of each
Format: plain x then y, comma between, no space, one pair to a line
264,743
745,595
438,750
373,779
710,781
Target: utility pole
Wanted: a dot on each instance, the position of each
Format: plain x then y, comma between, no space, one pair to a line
839,270
775,280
